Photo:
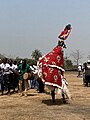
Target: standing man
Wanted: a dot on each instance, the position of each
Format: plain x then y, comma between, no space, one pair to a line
6,67
23,68
79,70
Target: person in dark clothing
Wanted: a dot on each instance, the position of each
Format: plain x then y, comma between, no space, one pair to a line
1,78
5,67
41,85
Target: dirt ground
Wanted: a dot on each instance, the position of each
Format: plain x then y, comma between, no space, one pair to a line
38,106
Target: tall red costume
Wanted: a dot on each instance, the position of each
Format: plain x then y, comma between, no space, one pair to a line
52,67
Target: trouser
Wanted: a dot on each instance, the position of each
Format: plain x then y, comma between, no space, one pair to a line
53,94
15,82
6,82
2,83
41,86
20,85
11,79
25,86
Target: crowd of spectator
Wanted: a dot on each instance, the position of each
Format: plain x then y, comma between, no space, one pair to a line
12,77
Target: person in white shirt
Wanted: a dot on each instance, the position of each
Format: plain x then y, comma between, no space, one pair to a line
15,65
12,75
5,67
79,70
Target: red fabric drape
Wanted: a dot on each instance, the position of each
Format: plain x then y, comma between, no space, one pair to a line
52,75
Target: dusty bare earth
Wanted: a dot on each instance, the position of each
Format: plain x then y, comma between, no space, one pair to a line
38,106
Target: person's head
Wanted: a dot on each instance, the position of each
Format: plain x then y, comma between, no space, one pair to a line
10,62
24,61
24,64
15,62
5,60
88,61
85,65
68,27
80,64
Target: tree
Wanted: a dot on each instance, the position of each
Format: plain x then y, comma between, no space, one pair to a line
77,56
68,64
36,54
29,61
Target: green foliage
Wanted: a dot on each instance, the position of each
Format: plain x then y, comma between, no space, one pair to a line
29,61
68,64
36,54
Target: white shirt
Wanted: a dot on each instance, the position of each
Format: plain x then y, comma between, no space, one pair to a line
79,68
1,71
5,67
15,67
12,67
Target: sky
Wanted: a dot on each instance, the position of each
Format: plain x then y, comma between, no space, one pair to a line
26,25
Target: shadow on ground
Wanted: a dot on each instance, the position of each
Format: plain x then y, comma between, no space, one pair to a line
57,102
